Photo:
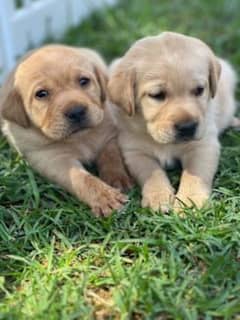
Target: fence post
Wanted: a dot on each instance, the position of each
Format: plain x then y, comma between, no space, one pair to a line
6,36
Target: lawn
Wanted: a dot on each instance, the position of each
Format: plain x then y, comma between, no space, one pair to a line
59,262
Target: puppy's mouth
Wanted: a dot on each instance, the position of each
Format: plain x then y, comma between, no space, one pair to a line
172,137
79,127
179,140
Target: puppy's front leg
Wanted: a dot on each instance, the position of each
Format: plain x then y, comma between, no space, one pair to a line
199,167
157,192
62,167
111,167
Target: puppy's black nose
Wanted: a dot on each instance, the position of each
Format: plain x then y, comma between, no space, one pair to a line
186,129
76,115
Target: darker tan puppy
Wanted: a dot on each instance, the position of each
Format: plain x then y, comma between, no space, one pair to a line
54,111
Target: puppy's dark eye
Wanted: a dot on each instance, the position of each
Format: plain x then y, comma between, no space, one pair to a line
84,81
161,95
198,91
41,94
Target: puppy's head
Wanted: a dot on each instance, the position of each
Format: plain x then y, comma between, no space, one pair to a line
168,80
58,89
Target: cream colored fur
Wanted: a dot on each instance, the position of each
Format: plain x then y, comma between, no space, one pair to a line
176,65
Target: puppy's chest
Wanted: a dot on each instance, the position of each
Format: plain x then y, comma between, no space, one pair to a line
88,144
166,157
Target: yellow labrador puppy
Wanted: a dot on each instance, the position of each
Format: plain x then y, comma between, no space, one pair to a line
176,97
54,111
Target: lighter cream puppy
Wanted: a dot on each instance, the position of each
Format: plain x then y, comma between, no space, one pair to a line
55,112
176,97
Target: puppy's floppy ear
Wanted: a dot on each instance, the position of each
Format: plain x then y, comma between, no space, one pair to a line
100,69
121,86
214,75
11,104
102,77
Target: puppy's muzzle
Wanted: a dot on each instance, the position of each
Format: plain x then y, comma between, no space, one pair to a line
77,117
186,130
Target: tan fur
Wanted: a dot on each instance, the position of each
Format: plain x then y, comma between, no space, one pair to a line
176,65
40,131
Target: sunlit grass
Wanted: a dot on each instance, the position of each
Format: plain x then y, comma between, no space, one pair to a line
59,262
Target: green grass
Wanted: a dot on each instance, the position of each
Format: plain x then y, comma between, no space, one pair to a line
59,262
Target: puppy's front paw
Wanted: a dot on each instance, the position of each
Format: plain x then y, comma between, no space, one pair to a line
106,200
196,198
118,178
157,199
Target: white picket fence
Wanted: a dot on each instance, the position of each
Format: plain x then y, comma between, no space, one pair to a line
26,24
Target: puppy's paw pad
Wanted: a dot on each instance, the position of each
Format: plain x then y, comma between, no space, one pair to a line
190,200
157,201
108,200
